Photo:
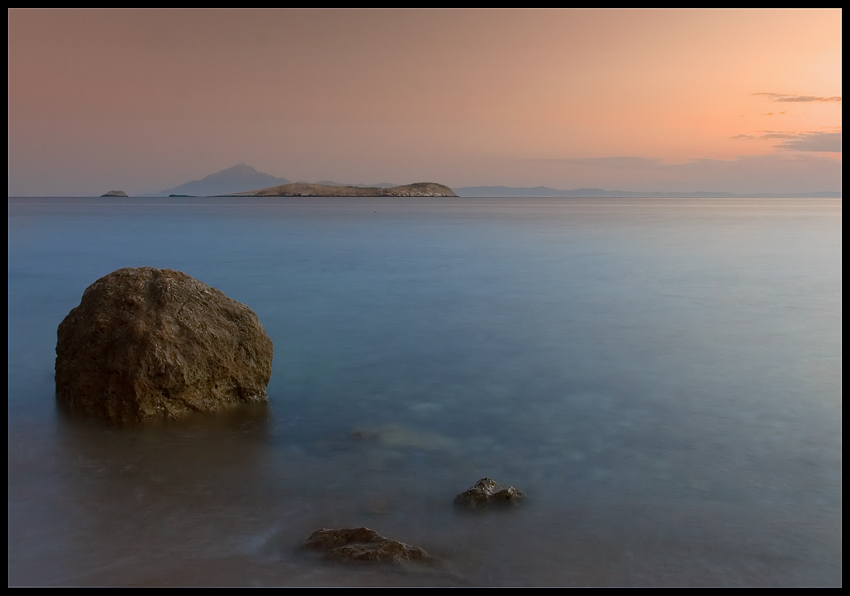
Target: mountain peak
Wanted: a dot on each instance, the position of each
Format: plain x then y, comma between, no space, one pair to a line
238,172
233,179
237,169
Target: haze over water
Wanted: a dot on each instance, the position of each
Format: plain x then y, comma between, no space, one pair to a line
661,376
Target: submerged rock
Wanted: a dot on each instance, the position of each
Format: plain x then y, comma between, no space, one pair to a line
487,492
400,437
363,544
149,343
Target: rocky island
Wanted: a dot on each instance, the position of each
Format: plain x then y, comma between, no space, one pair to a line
302,189
115,193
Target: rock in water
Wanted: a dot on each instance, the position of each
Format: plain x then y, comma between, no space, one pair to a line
148,343
363,544
487,492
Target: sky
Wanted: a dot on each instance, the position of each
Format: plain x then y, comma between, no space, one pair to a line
645,100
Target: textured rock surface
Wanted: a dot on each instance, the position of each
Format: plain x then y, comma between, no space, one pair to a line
363,544
487,492
148,343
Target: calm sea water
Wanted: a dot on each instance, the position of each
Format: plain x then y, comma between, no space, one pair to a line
662,377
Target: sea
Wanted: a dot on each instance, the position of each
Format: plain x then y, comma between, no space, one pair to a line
660,377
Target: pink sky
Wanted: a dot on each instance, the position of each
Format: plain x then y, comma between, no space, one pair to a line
667,100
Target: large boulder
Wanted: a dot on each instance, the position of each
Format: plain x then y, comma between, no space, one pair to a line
148,343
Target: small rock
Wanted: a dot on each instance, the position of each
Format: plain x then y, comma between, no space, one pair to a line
487,492
362,544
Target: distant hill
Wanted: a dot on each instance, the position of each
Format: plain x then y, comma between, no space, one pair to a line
234,179
303,189
544,191
378,185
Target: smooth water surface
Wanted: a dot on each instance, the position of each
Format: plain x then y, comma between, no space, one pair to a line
662,377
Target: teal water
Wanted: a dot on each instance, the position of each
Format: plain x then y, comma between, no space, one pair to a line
662,377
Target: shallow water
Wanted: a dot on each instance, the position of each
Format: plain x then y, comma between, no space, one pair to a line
662,377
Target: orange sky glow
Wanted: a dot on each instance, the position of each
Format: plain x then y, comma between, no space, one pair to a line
647,100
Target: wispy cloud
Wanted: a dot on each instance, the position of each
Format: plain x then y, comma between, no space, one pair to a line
769,134
814,141
785,97
800,141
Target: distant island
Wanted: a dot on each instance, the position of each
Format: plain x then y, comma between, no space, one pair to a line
115,193
302,189
234,180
